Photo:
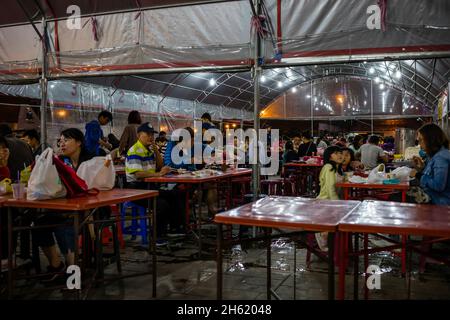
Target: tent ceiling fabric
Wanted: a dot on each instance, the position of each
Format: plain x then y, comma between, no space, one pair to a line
12,13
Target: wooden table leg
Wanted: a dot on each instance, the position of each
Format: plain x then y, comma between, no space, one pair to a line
346,191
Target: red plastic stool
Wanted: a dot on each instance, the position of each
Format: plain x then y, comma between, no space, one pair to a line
273,187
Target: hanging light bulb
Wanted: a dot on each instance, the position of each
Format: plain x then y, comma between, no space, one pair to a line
263,79
280,84
294,90
212,82
382,86
372,70
398,74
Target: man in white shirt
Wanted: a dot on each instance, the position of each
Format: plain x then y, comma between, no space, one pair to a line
371,153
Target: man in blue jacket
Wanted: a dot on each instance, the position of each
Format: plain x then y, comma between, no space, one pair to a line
94,138
211,193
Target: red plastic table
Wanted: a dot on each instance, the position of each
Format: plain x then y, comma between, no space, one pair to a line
286,212
403,187
392,218
80,206
198,180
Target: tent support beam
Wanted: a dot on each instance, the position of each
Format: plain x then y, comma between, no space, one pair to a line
44,82
257,71
342,118
303,61
30,20
371,107
131,72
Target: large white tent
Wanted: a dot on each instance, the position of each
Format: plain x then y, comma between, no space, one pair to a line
176,59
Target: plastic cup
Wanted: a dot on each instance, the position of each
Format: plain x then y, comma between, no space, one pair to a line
2,188
18,190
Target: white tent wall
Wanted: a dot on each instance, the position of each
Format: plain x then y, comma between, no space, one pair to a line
203,35
20,59
75,103
194,36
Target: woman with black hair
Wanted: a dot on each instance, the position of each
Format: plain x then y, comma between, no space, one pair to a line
330,173
289,154
349,162
308,147
73,153
72,147
433,173
358,141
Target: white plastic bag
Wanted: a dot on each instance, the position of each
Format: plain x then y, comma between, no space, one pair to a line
377,175
99,173
357,179
44,180
402,173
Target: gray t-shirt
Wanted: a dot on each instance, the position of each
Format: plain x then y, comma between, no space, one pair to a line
370,154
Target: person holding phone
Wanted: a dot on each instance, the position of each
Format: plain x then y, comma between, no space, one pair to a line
144,160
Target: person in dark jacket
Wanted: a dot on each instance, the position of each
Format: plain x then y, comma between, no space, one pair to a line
33,139
94,139
308,147
289,153
20,154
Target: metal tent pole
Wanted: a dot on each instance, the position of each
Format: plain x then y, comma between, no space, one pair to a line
256,78
371,106
312,110
447,113
43,83
159,115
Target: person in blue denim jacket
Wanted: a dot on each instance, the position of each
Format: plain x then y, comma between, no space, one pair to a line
434,172
211,187
168,161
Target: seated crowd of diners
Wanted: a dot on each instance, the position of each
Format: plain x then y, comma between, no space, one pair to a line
147,157
430,159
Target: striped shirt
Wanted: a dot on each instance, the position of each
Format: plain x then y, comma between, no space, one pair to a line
162,148
139,159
